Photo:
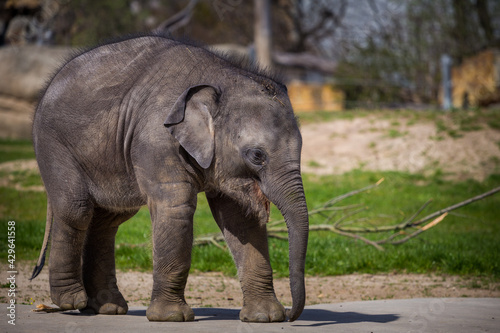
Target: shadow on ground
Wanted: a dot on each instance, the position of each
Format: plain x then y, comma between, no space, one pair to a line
323,317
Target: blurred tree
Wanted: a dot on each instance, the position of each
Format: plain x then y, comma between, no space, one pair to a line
388,50
466,32
307,24
399,61
204,20
297,25
178,20
95,20
28,21
485,21
9,12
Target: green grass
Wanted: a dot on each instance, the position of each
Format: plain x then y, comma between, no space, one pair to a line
28,209
394,133
466,243
314,164
15,149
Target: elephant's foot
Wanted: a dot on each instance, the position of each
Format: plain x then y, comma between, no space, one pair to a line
166,311
69,298
262,311
107,302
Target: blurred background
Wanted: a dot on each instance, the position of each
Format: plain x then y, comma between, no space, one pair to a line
334,54
402,90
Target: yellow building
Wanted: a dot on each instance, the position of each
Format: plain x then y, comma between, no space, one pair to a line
306,97
476,81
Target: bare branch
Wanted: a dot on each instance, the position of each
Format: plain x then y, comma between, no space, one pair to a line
305,60
419,231
309,22
401,226
178,20
276,229
456,206
325,227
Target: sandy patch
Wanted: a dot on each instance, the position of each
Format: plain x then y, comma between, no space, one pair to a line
217,290
370,143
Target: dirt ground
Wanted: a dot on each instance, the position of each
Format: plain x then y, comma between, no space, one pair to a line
399,144
217,290
368,143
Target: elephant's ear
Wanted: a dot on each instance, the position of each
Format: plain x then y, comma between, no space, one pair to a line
190,122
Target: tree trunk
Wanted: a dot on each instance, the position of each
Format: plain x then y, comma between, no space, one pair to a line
262,33
485,20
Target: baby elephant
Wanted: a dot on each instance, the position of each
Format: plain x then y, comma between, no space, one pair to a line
153,121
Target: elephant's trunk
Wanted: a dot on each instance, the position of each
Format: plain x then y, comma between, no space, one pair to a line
290,200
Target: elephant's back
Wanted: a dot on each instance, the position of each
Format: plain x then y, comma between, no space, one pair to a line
101,70
92,86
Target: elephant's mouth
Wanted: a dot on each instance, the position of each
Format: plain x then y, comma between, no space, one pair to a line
248,194
263,204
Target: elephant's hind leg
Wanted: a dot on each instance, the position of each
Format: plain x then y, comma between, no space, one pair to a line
71,220
99,275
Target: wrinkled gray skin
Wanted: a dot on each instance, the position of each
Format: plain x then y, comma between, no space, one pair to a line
151,121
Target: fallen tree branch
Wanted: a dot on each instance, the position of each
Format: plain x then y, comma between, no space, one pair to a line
419,231
342,225
209,239
401,226
456,206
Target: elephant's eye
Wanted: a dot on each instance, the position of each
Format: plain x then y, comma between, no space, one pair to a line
256,156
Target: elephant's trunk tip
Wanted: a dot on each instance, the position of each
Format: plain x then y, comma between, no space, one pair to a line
297,287
292,314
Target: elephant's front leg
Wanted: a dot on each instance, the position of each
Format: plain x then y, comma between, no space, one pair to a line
246,236
172,218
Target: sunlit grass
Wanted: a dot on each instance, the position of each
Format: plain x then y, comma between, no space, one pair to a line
467,242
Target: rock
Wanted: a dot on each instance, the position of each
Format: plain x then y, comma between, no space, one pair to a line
24,71
27,68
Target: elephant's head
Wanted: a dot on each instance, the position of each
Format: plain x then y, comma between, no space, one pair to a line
246,138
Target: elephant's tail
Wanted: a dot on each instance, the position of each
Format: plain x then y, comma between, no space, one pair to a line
46,237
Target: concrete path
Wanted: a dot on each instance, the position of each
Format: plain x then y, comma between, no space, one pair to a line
446,315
